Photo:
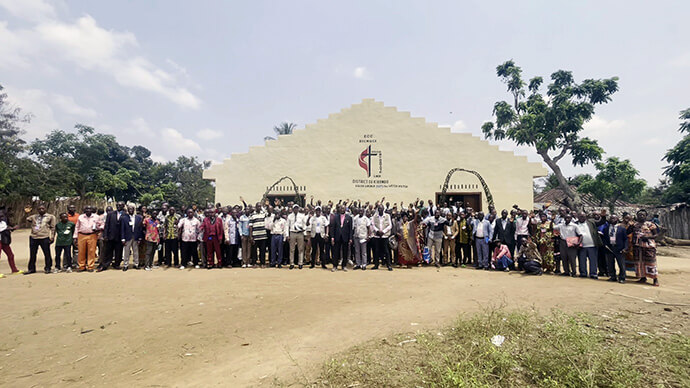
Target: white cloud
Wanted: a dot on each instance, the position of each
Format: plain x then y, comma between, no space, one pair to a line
43,107
600,128
652,141
34,102
33,10
179,69
682,61
89,46
158,158
177,143
458,126
361,72
165,144
209,134
141,128
69,106
10,49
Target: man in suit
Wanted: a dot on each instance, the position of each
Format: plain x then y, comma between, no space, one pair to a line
341,237
112,239
505,232
615,240
131,234
382,225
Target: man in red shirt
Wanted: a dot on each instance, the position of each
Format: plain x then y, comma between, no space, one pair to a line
212,227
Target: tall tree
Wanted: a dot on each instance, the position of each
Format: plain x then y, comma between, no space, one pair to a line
654,196
551,125
11,144
181,182
678,171
616,180
88,163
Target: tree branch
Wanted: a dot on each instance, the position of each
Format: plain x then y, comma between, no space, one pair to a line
572,197
562,154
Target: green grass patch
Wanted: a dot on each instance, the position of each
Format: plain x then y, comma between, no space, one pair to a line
555,350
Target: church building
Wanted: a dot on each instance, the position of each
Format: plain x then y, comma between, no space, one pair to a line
369,151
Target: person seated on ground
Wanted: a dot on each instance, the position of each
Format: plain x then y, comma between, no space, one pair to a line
501,259
529,257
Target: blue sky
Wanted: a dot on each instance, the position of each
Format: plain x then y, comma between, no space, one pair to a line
210,78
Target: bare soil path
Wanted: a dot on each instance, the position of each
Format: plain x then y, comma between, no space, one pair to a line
244,327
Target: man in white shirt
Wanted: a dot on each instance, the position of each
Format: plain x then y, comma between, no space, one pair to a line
360,225
522,228
189,234
482,236
279,234
589,246
296,226
318,225
381,225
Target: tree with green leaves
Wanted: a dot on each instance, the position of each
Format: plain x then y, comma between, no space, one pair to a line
616,180
551,181
11,145
87,163
180,183
551,125
654,196
678,171
283,128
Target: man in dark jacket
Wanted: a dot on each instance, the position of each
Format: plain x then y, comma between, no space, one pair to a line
615,240
112,239
505,232
132,232
341,237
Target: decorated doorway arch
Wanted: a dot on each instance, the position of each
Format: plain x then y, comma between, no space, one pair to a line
487,192
298,198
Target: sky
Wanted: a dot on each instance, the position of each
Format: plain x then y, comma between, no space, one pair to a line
211,78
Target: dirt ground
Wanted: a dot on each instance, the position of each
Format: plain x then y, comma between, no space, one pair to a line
247,327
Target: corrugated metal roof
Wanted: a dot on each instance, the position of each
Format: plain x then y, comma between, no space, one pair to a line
557,196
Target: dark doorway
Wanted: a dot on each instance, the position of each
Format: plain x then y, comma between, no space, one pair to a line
473,200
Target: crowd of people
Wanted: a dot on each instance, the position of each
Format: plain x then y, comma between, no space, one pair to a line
341,235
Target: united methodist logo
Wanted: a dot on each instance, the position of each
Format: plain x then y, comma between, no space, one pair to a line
365,160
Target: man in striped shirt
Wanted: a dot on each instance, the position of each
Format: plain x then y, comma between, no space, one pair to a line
257,233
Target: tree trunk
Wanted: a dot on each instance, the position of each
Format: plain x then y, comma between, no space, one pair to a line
573,200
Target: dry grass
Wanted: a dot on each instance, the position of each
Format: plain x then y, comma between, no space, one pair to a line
556,350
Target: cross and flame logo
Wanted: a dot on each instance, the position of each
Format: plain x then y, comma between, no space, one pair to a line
365,160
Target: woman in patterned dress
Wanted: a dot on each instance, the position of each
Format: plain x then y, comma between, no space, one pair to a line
544,240
408,247
644,248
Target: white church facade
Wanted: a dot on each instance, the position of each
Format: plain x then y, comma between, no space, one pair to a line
369,151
